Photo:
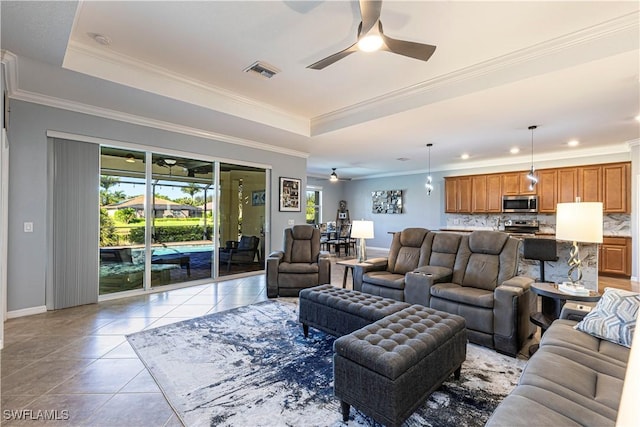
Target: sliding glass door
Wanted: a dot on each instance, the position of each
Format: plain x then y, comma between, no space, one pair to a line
242,218
159,215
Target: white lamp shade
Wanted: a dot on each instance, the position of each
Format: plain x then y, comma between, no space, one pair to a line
579,222
362,229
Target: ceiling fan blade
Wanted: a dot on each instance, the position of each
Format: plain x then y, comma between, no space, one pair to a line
333,58
370,13
406,48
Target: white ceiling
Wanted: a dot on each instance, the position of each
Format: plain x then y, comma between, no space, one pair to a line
572,68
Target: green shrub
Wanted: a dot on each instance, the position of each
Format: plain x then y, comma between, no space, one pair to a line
182,233
107,230
125,215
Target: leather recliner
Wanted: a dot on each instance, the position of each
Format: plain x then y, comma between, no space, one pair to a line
301,264
385,276
485,290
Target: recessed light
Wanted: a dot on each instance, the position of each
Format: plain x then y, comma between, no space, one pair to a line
514,150
573,143
464,156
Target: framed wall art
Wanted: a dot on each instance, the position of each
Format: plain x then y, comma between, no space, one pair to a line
386,202
290,194
257,198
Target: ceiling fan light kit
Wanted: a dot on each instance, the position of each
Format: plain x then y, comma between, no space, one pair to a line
371,38
334,176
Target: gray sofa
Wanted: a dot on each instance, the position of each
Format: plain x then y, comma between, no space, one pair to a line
574,379
474,276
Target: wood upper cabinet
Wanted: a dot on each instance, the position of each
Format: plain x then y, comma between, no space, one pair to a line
525,184
615,190
590,183
567,185
516,183
615,256
478,193
511,184
547,190
457,194
494,193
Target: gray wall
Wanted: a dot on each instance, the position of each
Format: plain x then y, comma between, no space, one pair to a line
28,183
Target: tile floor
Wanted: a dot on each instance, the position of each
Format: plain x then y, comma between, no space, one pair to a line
78,359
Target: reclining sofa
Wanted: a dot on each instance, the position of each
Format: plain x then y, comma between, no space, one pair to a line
474,276
574,379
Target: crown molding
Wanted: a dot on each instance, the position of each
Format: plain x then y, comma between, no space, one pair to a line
129,71
427,91
78,107
10,62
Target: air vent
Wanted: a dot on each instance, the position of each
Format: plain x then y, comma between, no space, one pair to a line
402,159
264,70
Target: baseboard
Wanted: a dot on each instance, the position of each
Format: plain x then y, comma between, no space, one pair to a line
634,279
26,312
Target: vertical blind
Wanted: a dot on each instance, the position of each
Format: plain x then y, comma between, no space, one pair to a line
74,204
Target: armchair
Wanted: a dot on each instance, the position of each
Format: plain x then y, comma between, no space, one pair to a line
301,264
242,252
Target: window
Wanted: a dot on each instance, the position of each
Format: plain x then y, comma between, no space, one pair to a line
314,205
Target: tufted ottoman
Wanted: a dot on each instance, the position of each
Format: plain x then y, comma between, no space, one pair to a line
341,311
389,368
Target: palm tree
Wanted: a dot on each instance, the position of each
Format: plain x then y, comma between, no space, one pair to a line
192,189
106,182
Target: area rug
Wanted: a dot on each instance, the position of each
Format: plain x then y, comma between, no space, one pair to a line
252,366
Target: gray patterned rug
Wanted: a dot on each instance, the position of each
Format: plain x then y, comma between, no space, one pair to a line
252,366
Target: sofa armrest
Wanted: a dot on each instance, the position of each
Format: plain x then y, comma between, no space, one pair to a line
360,269
324,268
522,282
273,261
511,311
417,283
574,311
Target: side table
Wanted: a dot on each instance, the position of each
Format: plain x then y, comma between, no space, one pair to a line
553,299
348,265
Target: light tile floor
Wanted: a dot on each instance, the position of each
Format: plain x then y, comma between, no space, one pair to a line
78,359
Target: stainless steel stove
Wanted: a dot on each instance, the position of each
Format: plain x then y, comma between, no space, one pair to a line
521,226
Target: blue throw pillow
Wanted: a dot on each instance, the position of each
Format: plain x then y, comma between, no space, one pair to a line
614,317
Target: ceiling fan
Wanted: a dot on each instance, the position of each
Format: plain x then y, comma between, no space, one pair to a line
371,38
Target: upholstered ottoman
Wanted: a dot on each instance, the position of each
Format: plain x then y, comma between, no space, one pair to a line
389,368
341,311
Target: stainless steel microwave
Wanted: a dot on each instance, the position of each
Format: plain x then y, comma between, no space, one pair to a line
520,204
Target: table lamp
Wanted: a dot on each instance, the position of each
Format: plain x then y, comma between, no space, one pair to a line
362,230
578,222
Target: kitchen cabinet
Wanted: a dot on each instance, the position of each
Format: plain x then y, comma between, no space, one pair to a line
494,193
516,183
547,190
457,194
590,183
567,185
615,191
479,194
614,256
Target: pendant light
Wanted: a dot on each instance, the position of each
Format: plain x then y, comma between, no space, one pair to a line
334,176
531,176
428,185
